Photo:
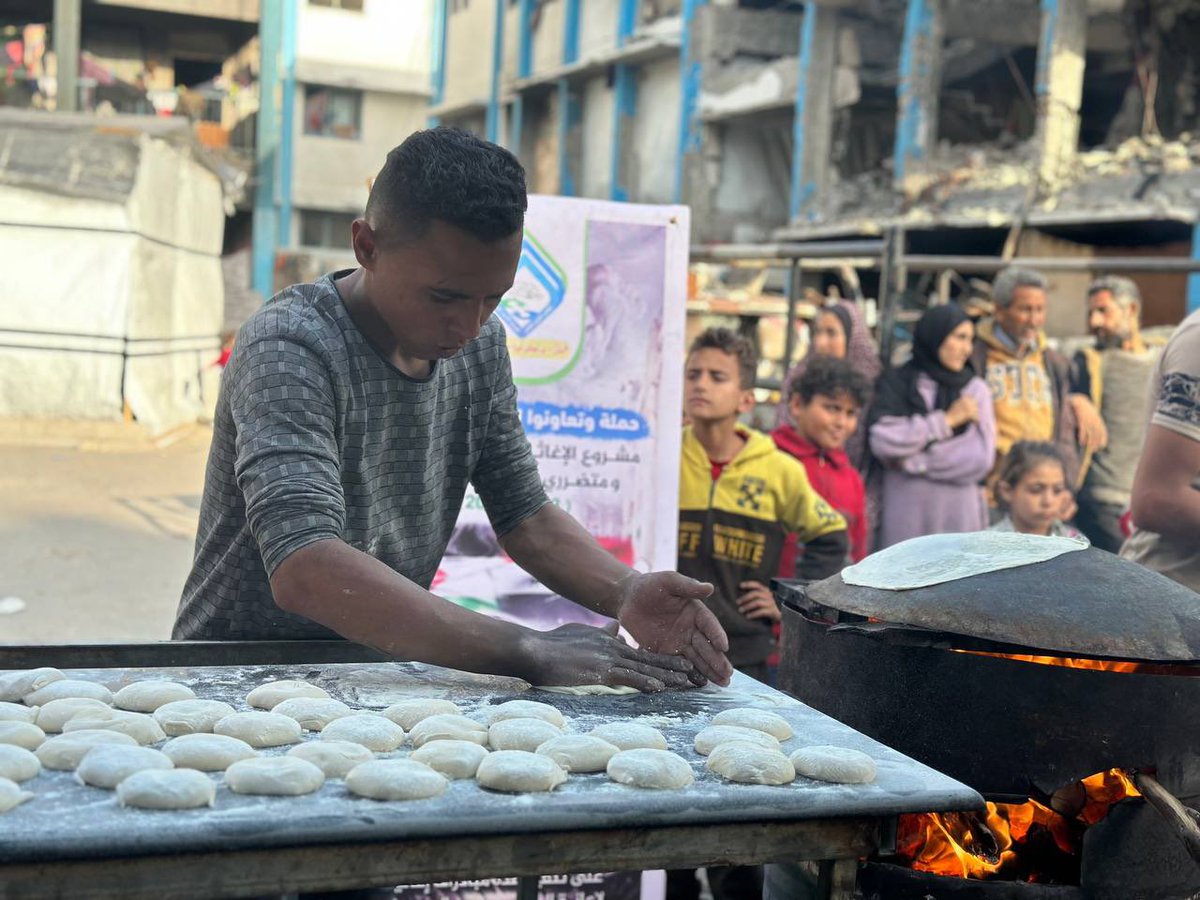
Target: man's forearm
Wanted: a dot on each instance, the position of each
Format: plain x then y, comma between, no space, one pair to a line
556,550
367,602
1165,499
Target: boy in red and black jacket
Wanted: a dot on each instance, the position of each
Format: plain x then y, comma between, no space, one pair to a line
826,401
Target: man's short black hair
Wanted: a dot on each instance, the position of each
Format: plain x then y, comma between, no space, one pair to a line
831,377
728,341
450,175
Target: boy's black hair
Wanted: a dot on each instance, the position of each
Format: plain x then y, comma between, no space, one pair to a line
450,175
1024,457
729,341
831,377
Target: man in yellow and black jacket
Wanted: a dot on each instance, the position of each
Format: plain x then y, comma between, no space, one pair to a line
739,498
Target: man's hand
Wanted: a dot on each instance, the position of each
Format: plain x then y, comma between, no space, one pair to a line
580,654
757,602
665,613
1090,430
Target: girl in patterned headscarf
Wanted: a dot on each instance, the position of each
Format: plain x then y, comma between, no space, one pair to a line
840,332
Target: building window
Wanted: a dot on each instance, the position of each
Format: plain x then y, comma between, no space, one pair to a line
332,112
353,5
319,228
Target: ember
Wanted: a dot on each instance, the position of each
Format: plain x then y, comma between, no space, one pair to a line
995,843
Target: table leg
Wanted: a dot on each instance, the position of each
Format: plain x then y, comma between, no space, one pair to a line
838,878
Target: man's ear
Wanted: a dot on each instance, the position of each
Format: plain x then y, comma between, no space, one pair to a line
366,248
747,402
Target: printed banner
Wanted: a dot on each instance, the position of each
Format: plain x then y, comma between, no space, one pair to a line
595,320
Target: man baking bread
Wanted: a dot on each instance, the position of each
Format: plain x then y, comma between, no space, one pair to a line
353,413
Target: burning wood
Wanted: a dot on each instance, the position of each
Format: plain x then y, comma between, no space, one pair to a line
994,844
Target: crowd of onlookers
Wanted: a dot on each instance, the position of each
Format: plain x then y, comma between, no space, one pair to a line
985,426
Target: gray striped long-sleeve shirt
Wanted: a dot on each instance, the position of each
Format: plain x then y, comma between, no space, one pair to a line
317,436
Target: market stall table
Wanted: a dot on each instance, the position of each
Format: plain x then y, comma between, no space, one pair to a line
72,839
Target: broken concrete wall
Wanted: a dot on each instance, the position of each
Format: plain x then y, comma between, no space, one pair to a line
656,133
595,178
597,26
547,37
539,143
468,54
752,194
722,33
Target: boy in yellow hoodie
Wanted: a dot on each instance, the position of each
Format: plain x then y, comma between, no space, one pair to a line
739,498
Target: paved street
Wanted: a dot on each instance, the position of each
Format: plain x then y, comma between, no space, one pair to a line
96,531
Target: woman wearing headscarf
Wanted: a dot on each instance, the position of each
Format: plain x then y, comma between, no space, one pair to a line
933,431
838,331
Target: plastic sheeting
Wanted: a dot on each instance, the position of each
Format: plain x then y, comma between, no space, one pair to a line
113,300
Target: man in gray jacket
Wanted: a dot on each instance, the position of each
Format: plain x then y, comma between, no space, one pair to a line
1114,373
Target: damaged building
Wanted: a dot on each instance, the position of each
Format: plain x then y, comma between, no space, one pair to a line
1027,128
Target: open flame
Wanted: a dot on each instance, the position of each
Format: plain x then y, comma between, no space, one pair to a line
974,845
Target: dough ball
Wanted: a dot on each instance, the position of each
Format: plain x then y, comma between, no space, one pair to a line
18,685
715,735
191,716
313,713
68,687
21,734
167,789
108,765
521,734
17,763
54,715
630,736
334,758
395,779
268,696
750,764
837,764
207,752
276,776
147,696
407,713
372,731
519,772
17,712
578,752
11,796
260,729
454,759
66,751
139,726
759,719
525,709
448,727
649,768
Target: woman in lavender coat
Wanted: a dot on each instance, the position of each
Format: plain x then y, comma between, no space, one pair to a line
933,430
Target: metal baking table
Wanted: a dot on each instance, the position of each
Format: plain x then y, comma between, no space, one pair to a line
73,840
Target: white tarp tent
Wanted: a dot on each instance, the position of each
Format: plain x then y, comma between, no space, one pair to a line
110,269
